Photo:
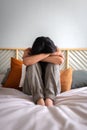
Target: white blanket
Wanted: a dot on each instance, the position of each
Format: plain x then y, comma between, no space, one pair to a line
18,112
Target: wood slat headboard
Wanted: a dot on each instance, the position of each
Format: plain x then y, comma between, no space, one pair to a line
74,57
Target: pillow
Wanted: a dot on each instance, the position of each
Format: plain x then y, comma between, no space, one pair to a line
79,79
1,78
66,79
5,76
22,75
14,75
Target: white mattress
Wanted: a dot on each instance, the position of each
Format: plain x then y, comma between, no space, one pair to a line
18,112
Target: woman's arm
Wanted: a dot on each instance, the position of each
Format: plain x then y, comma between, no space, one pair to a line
26,52
32,59
55,58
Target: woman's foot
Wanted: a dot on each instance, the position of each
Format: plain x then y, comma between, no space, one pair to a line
48,102
41,102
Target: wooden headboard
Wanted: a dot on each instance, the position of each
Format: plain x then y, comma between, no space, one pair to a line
74,57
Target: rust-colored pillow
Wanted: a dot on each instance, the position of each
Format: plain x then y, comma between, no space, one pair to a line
66,79
14,76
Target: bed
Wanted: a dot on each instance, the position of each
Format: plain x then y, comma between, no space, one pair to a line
18,112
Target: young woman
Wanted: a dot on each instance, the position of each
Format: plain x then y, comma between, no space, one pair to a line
42,72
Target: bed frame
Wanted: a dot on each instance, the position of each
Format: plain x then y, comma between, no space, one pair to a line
75,58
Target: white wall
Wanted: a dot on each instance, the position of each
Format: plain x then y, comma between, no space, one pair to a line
64,21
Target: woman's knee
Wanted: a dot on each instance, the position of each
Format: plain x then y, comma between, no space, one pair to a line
52,66
34,69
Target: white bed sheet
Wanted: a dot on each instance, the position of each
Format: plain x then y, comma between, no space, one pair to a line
18,112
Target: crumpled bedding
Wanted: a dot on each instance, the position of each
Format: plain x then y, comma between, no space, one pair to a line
18,112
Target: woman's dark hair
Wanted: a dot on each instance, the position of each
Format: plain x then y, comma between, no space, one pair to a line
43,45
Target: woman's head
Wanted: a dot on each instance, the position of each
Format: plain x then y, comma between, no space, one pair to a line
43,45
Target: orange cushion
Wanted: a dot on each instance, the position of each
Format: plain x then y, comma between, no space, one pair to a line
66,79
14,76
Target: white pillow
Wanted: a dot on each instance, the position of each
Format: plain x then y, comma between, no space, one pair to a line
23,75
